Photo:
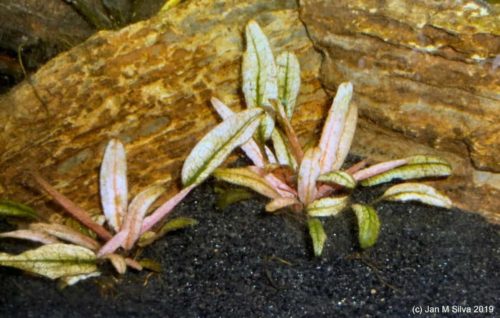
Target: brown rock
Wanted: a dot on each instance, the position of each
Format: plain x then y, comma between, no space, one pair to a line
147,84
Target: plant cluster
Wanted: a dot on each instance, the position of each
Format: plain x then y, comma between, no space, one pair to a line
311,180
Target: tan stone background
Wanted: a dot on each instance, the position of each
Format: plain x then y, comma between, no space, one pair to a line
426,79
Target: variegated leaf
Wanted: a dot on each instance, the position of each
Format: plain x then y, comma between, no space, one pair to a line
246,178
341,178
378,168
329,206
417,192
308,174
136,213
318,235
283,151
53,260
338,130
15,209
31,235
113,184
410,171
425,159
288,69
281,203
250,148
259,70
368,225
216,146
66,233
260,84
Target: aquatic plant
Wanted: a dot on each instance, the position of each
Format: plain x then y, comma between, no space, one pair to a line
70,255
314,181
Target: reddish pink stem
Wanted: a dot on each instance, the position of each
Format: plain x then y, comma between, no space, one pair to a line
74,210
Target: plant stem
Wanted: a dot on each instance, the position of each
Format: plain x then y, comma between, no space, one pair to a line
74,210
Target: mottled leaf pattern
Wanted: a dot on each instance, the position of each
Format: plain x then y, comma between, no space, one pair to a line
341,178
216,146
136,213
410,171
113,184
329,206
288,69
250,148
283,152
53,260
338,130
260,84
417,192
308,173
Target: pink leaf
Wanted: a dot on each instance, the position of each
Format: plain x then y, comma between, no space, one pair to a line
378,169
165,209
136,212
113,183
113,244
31,235
66,233
338,130
308,173
74,210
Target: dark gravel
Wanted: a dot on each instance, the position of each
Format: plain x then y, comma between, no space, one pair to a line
241,262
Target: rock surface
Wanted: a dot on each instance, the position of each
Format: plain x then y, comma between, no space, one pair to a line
149,85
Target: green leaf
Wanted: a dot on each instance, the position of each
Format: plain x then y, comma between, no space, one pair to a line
288,69
368,225
329,206
260,84
417,192
226,197
246,178
410,171
318,236
14,209
53,261
341,178
172,225
216,146
151,265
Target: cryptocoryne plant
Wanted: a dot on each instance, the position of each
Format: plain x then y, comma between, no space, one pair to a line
312,181
71,255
